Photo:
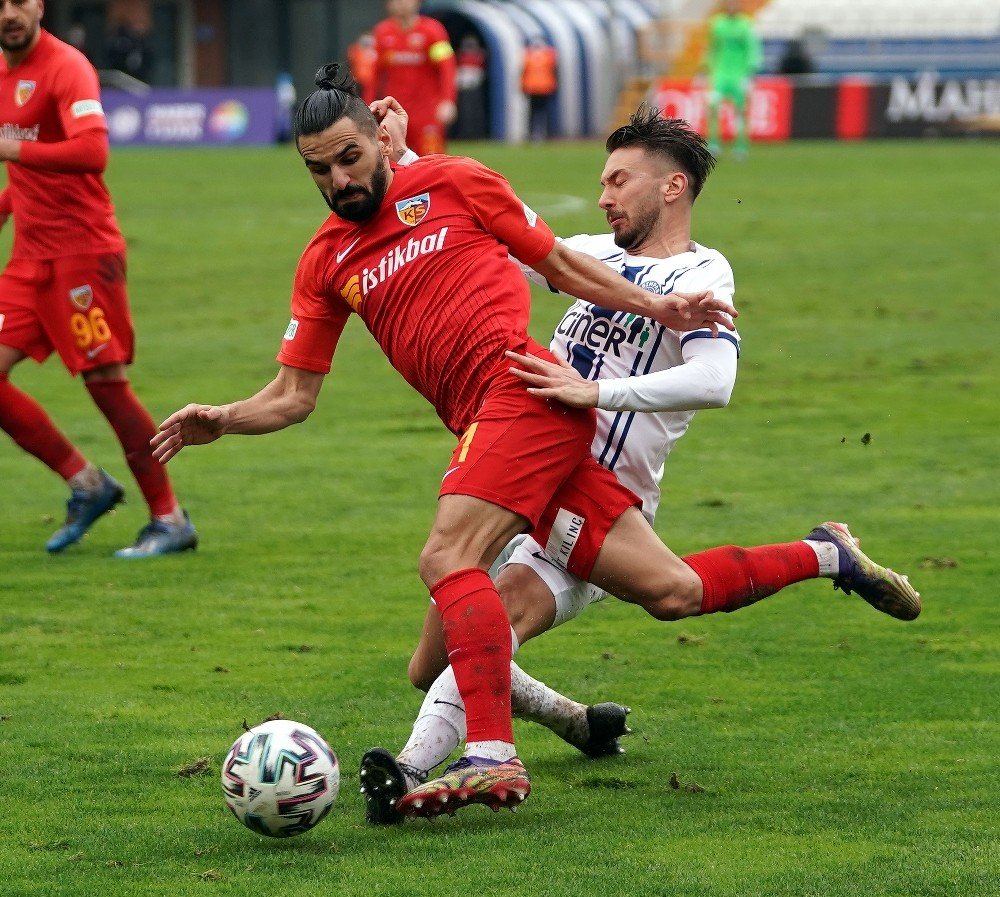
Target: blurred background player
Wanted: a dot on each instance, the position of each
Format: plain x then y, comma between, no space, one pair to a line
362,57
732,59
416,65
64,287
539,79
470,123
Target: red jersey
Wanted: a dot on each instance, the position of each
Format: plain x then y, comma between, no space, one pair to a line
430,277
416,66
51,96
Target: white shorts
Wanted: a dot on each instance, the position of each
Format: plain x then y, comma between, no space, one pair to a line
571,594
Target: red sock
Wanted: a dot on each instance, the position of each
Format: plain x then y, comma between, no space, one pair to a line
26,422
134,428
477,635
734,577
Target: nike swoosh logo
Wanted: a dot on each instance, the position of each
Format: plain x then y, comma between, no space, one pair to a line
340,255
447,473
93,353
542,556
449,704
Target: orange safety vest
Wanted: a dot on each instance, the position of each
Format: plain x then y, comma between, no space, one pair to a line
539,75
362,61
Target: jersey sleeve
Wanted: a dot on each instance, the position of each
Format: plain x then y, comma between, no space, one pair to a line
716,276
77,95
442,55
705,380
317,319
493,203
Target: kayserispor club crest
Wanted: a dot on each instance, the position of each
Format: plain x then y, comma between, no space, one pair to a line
23,92
413,210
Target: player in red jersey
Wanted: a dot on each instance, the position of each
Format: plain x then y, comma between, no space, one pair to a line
64,287
416,64
421,255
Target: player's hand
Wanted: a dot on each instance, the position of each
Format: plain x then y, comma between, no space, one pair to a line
693,311
558,381
446,112
394,118
192,425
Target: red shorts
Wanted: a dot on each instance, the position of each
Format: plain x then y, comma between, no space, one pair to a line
75,305
533,458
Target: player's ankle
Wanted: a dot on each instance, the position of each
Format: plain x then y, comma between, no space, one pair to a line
86,480
501,751
174,518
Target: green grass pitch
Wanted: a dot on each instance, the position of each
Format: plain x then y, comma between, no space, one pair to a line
819,747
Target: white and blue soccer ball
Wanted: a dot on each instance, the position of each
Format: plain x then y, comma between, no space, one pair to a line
280,778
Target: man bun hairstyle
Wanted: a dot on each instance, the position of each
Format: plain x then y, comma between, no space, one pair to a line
671,138
335,97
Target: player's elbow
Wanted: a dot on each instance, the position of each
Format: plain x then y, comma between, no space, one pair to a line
299,408
718,396
556,267
717,384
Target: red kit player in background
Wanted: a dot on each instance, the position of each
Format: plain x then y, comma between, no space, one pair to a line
416,65
63,289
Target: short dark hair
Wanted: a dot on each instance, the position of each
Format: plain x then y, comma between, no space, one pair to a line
335,97
672,138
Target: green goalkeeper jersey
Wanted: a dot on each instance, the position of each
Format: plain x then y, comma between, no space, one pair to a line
733,48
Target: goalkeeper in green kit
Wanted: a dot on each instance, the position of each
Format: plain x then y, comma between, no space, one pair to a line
732,59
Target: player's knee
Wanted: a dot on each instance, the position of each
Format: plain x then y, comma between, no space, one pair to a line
529,604
114,372
514,584
668,609
420,675
674,599
434,562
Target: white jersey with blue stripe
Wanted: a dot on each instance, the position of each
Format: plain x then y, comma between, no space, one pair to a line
602,343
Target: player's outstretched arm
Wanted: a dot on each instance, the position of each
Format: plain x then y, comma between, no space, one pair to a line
705,380
288,399
591,280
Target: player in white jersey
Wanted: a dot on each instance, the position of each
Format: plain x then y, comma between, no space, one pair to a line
649,382
646,381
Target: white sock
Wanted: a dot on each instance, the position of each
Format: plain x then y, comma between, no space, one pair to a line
491,750
439,727
174,518
87,480
828,556
535,701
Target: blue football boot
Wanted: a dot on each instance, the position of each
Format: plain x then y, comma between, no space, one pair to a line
83,508
159,537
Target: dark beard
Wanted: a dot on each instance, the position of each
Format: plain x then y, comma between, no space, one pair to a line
360,211
16,46
637,235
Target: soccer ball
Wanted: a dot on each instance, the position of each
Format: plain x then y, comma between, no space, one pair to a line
280,778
